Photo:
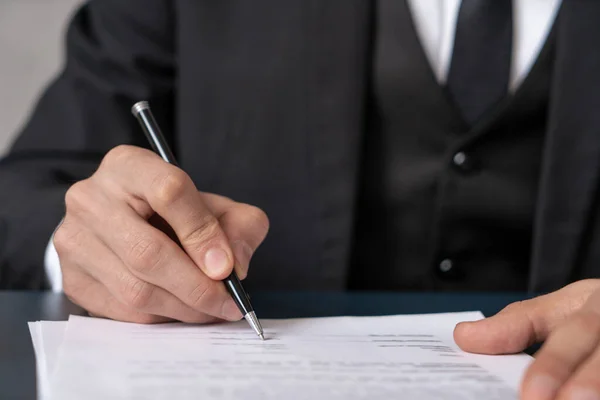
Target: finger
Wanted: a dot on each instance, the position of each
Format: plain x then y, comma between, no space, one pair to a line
523,323
562,353
91,295
170,192
585,384
102,264
149,254
152,257
511,330
246,227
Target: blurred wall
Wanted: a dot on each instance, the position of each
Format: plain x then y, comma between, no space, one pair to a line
31,44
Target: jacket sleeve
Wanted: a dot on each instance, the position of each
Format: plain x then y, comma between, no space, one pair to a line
117,53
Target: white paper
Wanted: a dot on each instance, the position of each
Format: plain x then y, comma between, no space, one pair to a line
52,337
343,357
47,337
41,373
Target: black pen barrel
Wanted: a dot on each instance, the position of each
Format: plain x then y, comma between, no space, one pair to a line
235,288
152,131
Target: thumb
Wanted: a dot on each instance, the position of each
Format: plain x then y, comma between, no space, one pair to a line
511,330
523,323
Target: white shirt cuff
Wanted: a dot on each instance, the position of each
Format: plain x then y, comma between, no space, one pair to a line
52,266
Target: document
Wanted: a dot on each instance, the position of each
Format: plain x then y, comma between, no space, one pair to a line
47,337
407,356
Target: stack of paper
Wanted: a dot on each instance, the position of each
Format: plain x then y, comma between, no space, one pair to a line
407,356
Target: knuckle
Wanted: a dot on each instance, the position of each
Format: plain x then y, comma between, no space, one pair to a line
171,187
206,228
66,240
199,295
119,154
512,307
137,294
76,196
260,217
145,254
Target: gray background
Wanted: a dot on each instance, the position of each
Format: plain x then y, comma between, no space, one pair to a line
31,50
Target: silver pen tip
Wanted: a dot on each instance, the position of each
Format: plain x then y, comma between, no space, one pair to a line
255,324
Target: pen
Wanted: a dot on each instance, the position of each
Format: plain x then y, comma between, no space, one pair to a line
141,111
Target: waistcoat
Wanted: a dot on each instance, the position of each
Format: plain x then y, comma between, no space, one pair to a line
443,205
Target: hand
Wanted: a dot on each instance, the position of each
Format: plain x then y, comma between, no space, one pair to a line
139,243
568,364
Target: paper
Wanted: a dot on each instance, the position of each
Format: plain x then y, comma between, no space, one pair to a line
411,356
47,337
40,366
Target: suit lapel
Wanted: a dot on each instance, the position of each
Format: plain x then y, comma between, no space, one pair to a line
337,64
572,151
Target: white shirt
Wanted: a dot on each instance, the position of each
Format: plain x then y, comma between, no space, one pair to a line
435,22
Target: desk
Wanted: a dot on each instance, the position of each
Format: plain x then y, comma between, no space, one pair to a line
17,360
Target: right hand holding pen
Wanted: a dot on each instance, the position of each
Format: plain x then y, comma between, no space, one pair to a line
139,243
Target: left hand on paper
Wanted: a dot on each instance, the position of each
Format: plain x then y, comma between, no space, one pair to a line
568,321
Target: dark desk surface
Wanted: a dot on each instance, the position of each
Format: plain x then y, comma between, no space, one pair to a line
17,360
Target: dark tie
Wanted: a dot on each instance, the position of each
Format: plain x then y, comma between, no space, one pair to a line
480,67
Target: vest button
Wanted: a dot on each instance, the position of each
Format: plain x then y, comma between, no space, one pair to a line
463,162
449,269
459,159
446,265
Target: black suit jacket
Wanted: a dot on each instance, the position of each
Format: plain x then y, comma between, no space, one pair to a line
264,102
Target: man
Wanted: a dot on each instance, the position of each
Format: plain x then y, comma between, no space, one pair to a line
395,145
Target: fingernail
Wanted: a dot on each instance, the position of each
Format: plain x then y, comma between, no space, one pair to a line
216,261
231,311
541,387
243,253
584,394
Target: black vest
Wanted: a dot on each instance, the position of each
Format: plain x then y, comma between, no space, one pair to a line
443,205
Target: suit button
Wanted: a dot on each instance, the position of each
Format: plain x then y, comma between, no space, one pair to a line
459,159
448,269
463,162
446,265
